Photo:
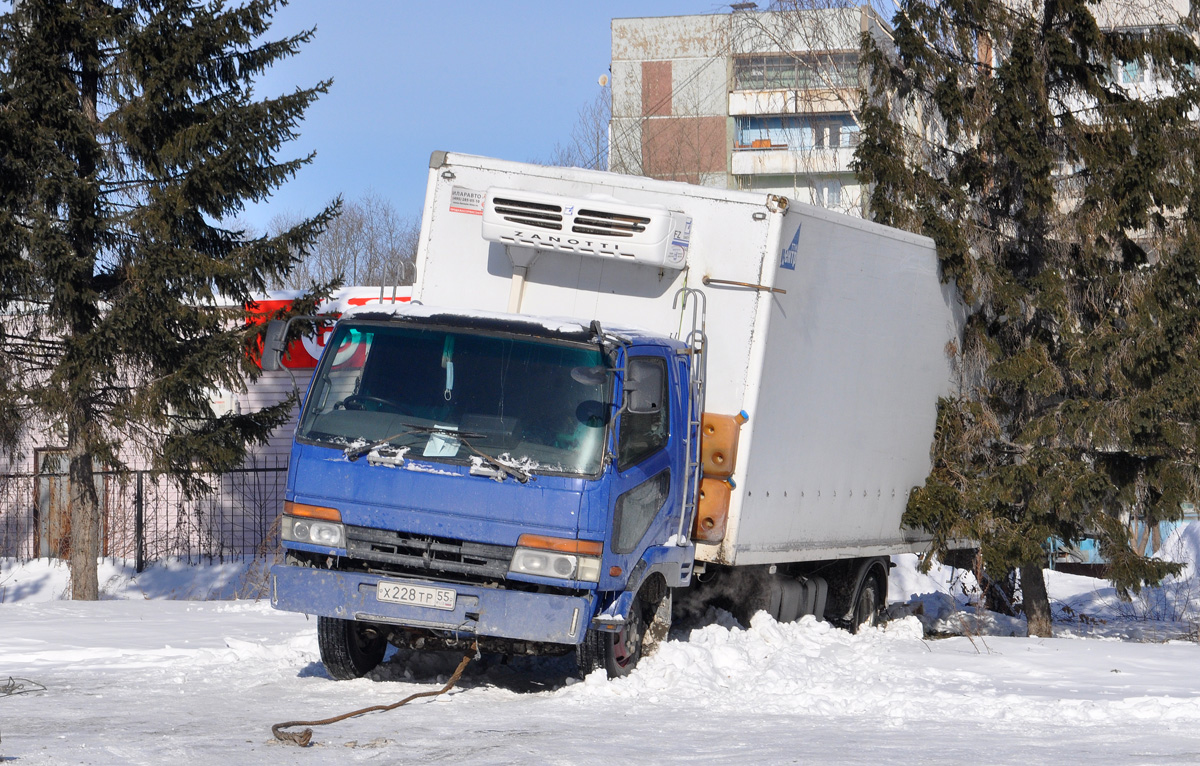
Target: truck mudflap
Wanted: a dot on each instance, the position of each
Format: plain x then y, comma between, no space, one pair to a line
478,611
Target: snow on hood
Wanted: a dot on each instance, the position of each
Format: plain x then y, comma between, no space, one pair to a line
551,324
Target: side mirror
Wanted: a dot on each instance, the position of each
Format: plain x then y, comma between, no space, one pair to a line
644,386
274,345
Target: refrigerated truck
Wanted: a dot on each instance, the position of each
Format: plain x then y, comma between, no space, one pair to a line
605,389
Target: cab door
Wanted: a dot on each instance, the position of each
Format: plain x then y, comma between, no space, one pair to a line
649,470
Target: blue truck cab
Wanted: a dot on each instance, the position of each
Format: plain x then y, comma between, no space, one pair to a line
463,478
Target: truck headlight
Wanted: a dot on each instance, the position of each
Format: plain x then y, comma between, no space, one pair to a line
327,533
558,558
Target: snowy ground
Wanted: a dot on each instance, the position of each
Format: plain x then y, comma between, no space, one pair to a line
147,678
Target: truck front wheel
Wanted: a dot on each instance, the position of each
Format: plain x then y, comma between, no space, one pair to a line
349,649
618,653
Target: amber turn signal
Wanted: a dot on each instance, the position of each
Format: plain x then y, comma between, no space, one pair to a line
561,544
311,511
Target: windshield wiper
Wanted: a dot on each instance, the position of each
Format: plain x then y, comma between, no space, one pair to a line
354,453
519,474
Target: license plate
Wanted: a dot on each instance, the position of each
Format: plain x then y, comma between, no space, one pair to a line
415,595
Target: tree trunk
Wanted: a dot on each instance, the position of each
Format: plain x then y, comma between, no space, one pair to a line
1036,601
85,518
84,212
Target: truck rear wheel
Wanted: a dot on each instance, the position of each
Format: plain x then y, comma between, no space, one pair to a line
868,604
349,649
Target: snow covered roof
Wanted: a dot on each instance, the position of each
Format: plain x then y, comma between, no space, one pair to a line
565,328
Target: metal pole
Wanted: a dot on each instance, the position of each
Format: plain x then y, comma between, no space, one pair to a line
139,527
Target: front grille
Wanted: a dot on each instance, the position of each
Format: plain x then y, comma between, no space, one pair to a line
608,224
529,213
427,554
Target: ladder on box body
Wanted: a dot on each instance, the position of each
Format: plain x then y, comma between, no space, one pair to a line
697,344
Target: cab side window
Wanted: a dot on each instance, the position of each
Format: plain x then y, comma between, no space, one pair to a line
645,431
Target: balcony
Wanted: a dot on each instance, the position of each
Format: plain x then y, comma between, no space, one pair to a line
793,101
781,160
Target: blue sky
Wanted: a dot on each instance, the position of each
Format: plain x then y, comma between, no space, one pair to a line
502,79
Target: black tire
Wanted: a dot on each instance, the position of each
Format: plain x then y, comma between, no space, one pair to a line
868,604
349,649
617,653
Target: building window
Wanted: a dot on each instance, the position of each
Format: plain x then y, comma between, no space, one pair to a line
851,133
1131,72
802,71
796,132
829,193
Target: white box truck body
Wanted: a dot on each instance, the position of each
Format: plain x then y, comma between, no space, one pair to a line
839,356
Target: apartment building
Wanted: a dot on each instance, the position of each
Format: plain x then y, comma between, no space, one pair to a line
751,99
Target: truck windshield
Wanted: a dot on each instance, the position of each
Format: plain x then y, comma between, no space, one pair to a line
433,394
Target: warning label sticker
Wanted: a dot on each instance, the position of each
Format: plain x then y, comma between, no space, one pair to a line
466,201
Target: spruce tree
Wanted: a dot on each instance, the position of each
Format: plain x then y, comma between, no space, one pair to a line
129,134
1063,204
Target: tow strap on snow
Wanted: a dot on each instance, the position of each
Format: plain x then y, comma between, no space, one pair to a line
15,686
303,738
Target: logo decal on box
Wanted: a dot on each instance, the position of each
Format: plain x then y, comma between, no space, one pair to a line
677,252
787,257
466,201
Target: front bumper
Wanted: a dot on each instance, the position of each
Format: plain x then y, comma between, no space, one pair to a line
491,612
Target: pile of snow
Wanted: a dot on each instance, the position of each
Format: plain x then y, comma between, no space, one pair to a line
1182,546
945,600
810,668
